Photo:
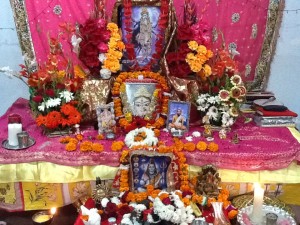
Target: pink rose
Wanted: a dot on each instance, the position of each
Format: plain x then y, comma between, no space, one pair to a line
101,23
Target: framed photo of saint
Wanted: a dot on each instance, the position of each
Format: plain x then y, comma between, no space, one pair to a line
178,116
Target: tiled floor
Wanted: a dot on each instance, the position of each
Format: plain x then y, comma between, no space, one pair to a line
66,216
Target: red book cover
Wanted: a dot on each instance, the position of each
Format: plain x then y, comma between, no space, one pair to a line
261,111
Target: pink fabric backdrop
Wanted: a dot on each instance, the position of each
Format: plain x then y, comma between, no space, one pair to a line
259,148
236,19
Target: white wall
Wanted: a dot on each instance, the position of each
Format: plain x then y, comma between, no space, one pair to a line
285,69
10,55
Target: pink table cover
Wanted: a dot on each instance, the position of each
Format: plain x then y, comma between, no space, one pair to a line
258,149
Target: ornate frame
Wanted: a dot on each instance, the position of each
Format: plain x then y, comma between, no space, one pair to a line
169,179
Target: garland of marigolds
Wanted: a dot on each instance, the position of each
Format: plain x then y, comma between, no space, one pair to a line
162,90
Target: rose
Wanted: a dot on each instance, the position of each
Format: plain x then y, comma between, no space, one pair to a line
184,33
50,92
102,47
37,99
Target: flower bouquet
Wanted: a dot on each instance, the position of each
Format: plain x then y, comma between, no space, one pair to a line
54,91
222,92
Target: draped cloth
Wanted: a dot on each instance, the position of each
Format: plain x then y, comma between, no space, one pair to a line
240,23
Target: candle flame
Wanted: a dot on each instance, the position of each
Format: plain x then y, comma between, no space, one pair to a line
53,210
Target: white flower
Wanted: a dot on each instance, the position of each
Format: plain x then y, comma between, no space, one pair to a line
75,43
150,139
189,138
67,95
52,102
105,73
102,57
42,107
104,202
115,200
213,113
9,72
227,120
213,99
196,134
236,80
94,217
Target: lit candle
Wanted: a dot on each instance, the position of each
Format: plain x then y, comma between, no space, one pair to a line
14,127
53,210
257,212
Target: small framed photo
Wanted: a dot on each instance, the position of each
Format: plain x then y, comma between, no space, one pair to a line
106,118
151,168
178,117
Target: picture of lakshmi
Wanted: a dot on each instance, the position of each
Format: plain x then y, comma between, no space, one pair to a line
152,176
141,102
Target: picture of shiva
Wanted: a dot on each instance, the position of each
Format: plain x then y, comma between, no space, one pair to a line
150,170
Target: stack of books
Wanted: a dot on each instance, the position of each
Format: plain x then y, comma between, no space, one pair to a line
268,118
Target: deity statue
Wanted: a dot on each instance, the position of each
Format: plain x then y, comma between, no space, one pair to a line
208,181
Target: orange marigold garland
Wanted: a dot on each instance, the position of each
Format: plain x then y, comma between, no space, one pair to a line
162,90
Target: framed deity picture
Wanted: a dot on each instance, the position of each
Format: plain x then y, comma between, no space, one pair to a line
142,35
151,168
139,99
106,118
178,116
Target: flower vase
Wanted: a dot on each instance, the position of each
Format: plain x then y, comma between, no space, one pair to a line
220,218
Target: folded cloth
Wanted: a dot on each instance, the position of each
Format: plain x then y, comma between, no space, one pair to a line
261,111
270,104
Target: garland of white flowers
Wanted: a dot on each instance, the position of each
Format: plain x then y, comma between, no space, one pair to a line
150,139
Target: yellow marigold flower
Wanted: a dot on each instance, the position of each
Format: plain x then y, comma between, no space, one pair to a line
61,74
97,147
112,27
117,145
207,70
190,56
112,44
201,145
78,72
86,146
202,49
193,45
71,146
213,147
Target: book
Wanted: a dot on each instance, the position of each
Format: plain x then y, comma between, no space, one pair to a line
262,112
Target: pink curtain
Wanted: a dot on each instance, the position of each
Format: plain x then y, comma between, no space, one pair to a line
45,16
242,23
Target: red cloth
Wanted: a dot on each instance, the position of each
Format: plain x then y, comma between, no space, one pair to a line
262,112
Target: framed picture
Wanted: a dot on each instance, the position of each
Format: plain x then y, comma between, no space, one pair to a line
139,99
142,34
106,118
151,168
178,116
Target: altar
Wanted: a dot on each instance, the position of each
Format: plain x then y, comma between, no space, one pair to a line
265,155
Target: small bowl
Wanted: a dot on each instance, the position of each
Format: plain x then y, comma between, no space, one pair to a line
42,218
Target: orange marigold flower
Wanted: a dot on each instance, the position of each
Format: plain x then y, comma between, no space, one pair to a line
41,120
190,146
79,137
117,145
157,132
71,146
97,147
100,137
65,139
86,146
232,214
213,147
201,145
73,140
163,196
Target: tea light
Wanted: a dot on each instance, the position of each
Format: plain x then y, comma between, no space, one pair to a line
42,218
257,212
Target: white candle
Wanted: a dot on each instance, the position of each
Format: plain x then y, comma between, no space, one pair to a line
13,129
257,212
